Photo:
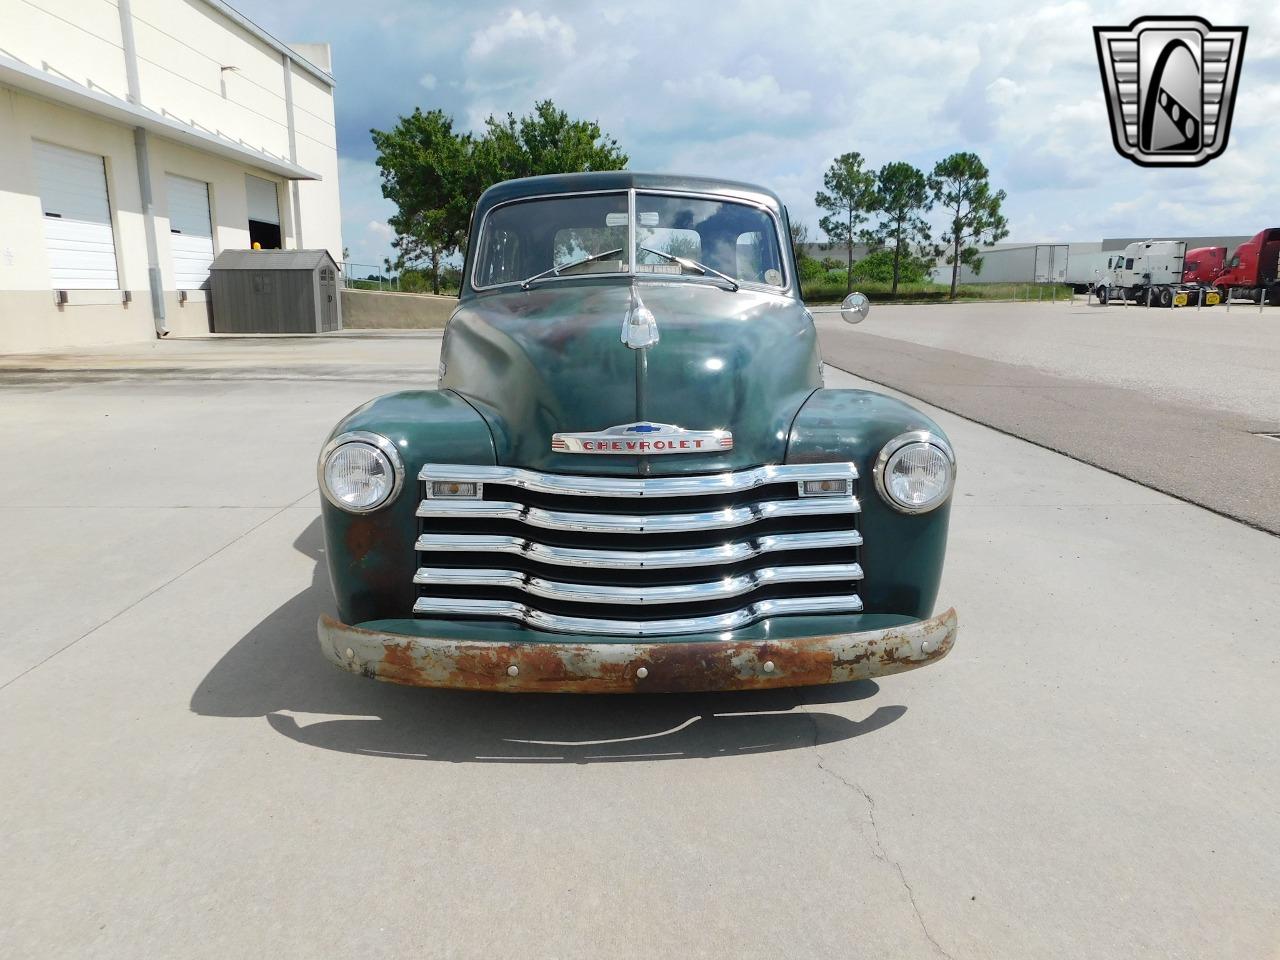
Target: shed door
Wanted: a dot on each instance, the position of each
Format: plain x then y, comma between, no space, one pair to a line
190,231
328,299
77,219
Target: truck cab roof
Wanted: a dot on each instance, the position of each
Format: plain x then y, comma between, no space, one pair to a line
606,180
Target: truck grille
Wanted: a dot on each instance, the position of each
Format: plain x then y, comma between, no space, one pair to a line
638,557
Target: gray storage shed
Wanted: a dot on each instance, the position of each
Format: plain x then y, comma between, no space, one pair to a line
275,291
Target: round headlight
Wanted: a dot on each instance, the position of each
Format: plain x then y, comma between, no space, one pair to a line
360,471
915,472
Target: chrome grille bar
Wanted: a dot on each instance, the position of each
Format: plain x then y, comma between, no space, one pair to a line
587,547
540,620
732,586
691,486
733,552
726,518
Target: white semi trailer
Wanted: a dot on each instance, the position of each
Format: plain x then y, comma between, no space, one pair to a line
1086,270
1150,271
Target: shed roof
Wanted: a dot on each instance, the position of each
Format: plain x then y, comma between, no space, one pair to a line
271,259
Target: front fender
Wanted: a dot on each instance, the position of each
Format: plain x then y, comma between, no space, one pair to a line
902,554
371,556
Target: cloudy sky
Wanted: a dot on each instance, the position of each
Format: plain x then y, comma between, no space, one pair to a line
770,92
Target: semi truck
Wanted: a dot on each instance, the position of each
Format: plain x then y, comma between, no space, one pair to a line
1151,272
1203,264
1254,269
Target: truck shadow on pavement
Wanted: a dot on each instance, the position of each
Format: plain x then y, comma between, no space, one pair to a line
276,671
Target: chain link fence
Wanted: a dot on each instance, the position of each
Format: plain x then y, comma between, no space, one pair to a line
368,276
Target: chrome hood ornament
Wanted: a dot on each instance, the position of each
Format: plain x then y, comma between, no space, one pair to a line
639,326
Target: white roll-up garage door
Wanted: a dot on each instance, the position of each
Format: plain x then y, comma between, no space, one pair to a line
77,218
190,231
263,204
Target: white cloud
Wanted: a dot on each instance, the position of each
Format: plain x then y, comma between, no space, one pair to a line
772,95
522,35
1002,91
759,95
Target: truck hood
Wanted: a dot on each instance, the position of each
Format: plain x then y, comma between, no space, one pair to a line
551,359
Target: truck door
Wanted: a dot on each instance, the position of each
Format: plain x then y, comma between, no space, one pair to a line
1044,263
1269,263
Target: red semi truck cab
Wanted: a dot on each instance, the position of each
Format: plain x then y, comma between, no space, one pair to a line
1255,263
1203,265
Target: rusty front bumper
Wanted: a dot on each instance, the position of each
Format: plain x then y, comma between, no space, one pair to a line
626,667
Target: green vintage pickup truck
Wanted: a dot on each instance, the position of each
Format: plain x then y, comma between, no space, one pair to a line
631,477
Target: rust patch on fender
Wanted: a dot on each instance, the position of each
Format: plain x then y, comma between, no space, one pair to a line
362,537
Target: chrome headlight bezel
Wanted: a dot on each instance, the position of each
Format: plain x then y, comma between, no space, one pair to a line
895,445
383,446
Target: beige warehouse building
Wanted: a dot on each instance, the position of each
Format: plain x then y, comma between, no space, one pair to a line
138,139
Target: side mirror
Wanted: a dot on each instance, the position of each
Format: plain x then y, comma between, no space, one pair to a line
855,308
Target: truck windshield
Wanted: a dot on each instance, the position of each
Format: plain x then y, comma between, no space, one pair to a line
579,234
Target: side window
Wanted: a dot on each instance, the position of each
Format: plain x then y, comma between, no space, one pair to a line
501,263
757,259
750,265
1128,264
1235,262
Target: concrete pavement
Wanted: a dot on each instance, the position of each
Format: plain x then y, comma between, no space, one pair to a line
1092,772
1210,358
1180,402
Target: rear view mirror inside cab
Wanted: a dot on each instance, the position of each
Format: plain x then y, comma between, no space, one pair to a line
649,219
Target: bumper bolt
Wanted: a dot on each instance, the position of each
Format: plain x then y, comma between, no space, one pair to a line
768,666
642,672
924,646
513,671
351,654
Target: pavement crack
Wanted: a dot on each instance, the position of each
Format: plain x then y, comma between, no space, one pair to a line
875,844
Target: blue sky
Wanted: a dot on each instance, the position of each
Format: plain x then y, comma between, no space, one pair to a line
771,92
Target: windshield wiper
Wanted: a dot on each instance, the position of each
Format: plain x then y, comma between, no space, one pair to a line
568,266
695,266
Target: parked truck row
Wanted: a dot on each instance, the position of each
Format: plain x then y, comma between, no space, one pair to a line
1153,272
1165,273
1253,272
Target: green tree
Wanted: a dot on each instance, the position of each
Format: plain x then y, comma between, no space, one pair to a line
546,141
879,266
419,254
799,232
848,196
807,267
428,172
961,185
902,199
434,174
